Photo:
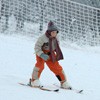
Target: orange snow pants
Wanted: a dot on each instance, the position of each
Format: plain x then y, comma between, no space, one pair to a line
53,66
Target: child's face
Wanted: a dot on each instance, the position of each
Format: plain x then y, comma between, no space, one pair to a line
54,33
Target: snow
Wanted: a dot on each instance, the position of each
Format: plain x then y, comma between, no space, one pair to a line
17,60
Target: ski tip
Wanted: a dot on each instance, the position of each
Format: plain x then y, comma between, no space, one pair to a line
80,91
21,83
56,90
24,84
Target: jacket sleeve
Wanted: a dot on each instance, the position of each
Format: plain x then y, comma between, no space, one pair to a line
38,45
58,40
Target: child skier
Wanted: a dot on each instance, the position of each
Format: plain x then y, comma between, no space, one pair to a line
48,51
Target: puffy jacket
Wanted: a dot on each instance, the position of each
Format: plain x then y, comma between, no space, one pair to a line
43,44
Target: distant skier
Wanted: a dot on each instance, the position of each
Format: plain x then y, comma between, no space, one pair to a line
48,51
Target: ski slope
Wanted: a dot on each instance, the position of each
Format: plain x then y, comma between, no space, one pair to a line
17,60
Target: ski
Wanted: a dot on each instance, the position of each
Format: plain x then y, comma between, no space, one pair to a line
52,90
40,87
72,89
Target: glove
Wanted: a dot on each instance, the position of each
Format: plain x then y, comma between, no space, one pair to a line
44,56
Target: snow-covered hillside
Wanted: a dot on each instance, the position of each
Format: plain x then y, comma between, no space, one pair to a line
17,60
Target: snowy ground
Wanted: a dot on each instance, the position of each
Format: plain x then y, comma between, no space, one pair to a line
17,60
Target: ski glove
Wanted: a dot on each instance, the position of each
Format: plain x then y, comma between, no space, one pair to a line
44,56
